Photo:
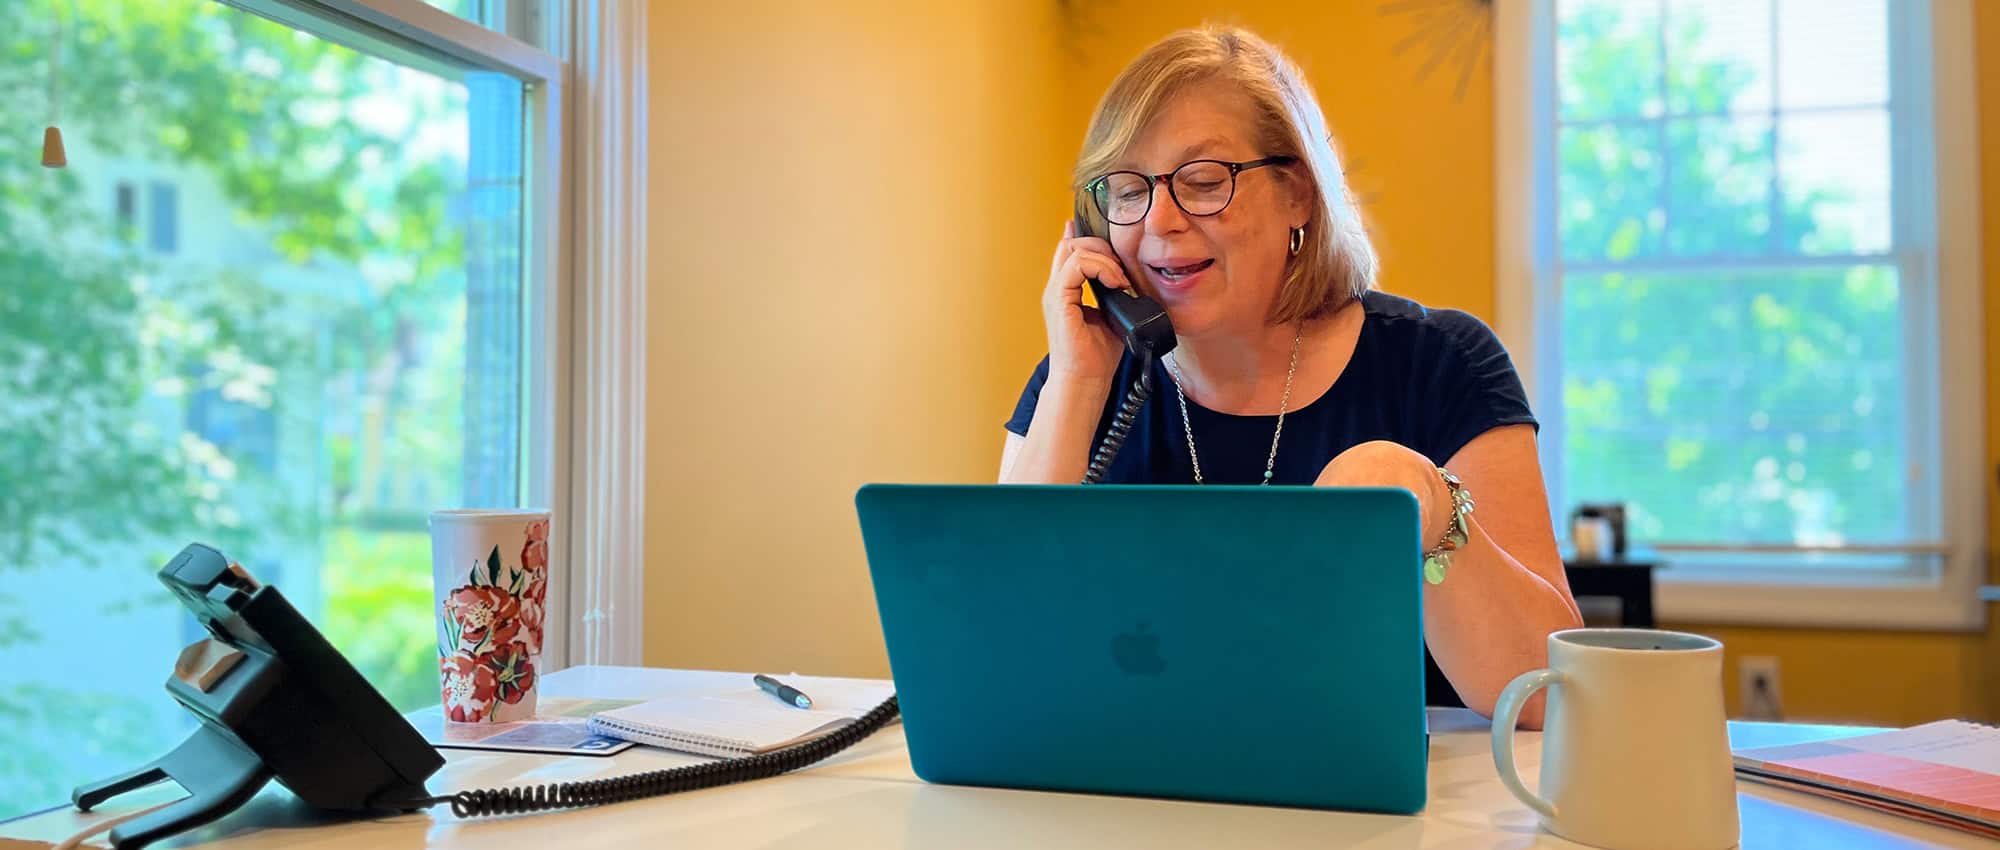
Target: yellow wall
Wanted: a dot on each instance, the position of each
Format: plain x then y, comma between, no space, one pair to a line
853,207
1866,677
839,187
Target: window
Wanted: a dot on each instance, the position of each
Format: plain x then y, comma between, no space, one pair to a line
221,413
1740,292
333,329
164,224
126,208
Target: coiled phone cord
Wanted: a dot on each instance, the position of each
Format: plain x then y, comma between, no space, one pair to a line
596,792
618,789
1121,421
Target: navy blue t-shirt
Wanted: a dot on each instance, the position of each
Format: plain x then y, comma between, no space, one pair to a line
1430,380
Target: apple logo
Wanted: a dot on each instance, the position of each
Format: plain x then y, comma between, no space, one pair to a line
1138,653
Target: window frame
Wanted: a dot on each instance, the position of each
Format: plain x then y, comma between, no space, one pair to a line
1936,249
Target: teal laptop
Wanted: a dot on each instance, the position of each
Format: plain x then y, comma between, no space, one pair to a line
1240,644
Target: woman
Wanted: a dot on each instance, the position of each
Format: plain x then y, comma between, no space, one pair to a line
1212,162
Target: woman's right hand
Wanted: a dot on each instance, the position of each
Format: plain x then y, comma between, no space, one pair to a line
1083,346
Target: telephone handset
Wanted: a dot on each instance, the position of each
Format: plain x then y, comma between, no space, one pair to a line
1140,320
1148,335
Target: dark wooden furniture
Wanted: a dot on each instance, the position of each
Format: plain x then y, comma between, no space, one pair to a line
1628,580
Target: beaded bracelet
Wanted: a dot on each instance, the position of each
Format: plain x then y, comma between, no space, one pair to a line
1437,560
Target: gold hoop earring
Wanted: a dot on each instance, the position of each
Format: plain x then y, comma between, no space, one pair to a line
1298,240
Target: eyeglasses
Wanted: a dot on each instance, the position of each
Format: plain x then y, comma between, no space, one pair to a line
1200,188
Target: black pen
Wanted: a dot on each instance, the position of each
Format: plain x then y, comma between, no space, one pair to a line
783,691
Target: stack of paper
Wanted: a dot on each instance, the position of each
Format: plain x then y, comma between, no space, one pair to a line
1946,772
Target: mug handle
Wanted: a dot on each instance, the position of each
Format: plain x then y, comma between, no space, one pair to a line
1505,716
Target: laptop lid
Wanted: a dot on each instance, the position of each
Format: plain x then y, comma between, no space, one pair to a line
1247,644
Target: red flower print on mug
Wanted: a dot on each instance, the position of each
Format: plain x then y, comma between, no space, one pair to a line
531,625
477,609
535,552
513,670
469,688
538,588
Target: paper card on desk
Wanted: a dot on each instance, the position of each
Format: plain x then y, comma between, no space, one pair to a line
1948,742
745,721
1949,769
560,727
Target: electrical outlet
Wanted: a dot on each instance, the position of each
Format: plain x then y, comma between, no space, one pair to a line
1757,682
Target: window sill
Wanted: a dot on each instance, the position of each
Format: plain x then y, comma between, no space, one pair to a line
1918,605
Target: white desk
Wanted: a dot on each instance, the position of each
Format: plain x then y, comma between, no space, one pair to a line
868,797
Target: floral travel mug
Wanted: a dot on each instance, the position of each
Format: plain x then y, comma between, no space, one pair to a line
490,576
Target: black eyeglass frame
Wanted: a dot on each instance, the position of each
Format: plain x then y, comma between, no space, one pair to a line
1154,180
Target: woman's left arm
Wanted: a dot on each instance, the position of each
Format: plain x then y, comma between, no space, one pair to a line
1490,619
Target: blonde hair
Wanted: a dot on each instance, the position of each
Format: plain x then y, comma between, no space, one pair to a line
1336,263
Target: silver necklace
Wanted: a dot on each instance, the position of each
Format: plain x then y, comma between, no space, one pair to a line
1284,402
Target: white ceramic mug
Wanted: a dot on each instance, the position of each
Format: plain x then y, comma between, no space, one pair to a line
489,572
1635,747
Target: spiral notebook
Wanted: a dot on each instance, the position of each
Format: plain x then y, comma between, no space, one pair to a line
743,722
1946,773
